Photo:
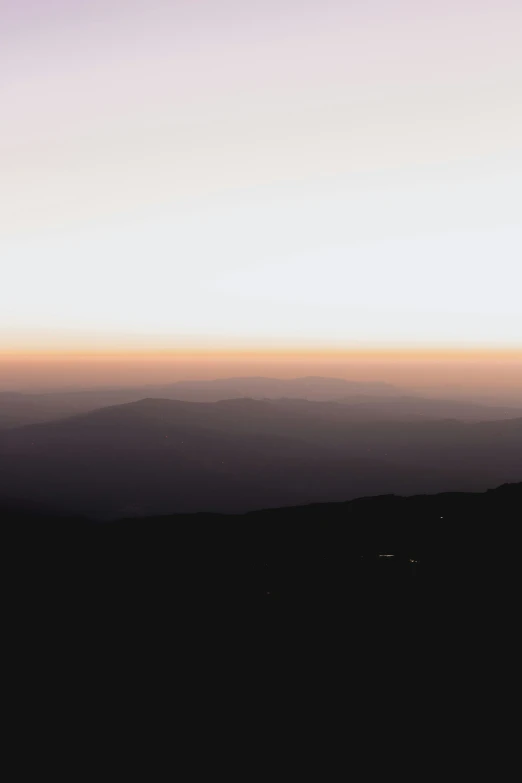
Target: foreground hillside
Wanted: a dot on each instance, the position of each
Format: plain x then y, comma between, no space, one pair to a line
157,456
330,554
385,600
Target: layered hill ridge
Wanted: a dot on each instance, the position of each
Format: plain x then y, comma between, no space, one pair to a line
161,455
367,400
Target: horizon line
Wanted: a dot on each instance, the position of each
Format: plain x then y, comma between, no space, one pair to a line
263,353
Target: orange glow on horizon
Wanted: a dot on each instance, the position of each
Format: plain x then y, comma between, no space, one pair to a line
429,353
470,370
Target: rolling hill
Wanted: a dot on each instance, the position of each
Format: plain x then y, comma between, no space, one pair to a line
160,456
366,400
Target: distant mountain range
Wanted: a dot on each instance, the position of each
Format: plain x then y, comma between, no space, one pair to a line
160,456
367,400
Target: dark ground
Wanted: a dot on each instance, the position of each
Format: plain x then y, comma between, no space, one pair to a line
268,619
322,562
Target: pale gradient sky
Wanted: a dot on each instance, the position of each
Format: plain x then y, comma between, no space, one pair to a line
260,173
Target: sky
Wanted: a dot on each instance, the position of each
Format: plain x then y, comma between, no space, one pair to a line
221,175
